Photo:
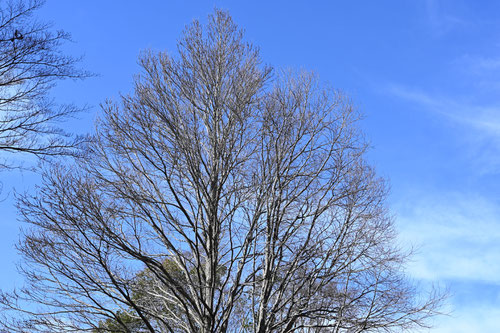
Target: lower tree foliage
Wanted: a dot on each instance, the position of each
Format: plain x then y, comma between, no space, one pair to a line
216,198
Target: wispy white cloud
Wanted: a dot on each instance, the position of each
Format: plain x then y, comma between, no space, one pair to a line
477,126
486,118
457,236
480,72
478,64
458,242
442,17
470,320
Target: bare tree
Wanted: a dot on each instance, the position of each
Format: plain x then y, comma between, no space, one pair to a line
30,63
216,198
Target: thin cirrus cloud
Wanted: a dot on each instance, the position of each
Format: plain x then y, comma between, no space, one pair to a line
470,320
458,244
476,126
456,234
479,65
440,17
486,118
481,71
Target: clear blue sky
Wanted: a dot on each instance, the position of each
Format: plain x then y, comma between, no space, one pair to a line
425,73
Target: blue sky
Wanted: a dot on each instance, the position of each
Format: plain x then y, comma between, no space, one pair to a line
426,74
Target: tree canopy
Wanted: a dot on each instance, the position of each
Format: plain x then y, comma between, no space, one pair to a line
221,196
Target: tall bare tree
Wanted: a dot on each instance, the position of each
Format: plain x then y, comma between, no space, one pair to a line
216,198
31,62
